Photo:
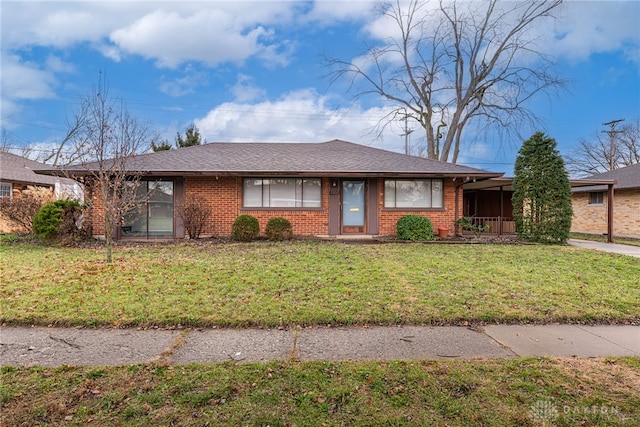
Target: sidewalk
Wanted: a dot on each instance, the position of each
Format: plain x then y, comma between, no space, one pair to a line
607,247
21,346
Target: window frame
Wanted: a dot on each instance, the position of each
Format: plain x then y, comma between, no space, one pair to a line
144,207
6,185
281,208
599,198
413,208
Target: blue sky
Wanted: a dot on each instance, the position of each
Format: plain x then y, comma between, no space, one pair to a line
252,71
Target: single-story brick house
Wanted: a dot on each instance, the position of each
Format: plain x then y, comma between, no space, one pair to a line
591,205
330,188
17,173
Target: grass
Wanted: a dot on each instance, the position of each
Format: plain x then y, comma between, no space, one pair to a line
523,392
310,282
601,238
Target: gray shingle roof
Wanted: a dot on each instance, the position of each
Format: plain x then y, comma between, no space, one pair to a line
19,169
628,178
332,157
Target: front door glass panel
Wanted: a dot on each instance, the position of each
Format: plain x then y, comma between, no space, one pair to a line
353,203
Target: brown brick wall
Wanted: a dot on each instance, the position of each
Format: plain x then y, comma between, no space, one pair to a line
439,218
223,196
593,218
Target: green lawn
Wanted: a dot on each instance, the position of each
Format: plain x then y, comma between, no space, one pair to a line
522,392
311,282
306,282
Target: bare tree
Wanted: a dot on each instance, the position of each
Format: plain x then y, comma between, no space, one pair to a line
7,145
105,143
62,155
594,155
455,64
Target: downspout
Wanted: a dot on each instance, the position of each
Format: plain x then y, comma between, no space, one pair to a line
90,209
610,192
238,200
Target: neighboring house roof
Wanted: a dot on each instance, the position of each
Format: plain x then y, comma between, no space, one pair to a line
17,169
335,157
628,178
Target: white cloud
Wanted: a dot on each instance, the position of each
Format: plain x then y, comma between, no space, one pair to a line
299,116
170,38
22,81
586,28
169,33
245,90
583,28
55,64
190,80
330,11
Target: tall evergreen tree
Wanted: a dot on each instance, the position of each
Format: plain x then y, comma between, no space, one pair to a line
542,193
160,146
191,137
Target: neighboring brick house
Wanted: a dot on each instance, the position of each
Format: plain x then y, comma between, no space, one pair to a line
590,205
17,173
330,188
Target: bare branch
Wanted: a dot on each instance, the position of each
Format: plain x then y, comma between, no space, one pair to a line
593,155
458,63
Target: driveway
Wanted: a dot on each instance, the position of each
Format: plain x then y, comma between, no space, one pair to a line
616,248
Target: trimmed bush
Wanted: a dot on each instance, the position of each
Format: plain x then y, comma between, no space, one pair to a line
279,229
245,228
57,218
414,227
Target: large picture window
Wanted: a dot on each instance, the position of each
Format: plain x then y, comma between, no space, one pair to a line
282,193
413,193
153,216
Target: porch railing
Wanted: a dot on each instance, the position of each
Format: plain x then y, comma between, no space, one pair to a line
497,224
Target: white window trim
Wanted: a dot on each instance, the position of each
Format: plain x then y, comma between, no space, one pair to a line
10,188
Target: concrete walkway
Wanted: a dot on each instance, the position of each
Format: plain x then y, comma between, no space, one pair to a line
607,247
112,347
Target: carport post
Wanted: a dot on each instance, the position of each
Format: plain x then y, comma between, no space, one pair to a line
610,213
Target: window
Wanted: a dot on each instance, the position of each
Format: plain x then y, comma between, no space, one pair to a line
413,193
5,190
596,198
153,217
282,193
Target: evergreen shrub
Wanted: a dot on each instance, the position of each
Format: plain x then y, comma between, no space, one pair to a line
414,227
279,229
57,219
245,228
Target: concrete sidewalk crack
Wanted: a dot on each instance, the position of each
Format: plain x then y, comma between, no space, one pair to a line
506,347
607,340
295,353
178,342
62,340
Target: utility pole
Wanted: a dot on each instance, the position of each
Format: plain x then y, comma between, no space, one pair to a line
406,134
612,137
